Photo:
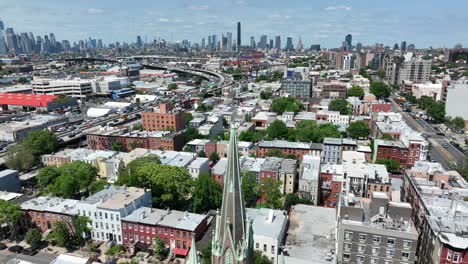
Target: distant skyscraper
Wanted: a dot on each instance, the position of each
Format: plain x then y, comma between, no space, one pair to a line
349,42
300,46
395,47
278,42
99,44
2,26
252,43
289,44
239,42
210,45
271,44
214,42
203,43
315,47
263,42
139,43
403,46
229,41
358,47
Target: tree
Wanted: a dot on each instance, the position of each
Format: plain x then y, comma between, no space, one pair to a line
192,133
159,248
265,95
41,142
259,258
249,189
137,102
425,102
22,80
46,176
206,254
286,104
269,190
81,229
188,117
19,157
386,136
137,127
356,91
358,129
436,111
340,105
72,178
292,199
117,146
277,130
129,176
380,90
172,86
61,234
33,238
381,74
206,194
114,250
10,214
392,165
97,186
201,154
214,157
457,123
251,136
275,153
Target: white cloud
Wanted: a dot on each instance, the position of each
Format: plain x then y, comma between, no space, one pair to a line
94,11
338,7
163,20
199,8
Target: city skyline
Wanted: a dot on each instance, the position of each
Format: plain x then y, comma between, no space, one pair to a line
320,22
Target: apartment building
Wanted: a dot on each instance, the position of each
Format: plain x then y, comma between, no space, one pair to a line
163,118
77,88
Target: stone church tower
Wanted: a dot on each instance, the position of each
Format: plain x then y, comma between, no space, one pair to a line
233,238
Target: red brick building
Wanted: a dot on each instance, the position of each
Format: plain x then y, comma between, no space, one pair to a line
331,175
381,107
396,150
175,228
42,212
135,139
163,118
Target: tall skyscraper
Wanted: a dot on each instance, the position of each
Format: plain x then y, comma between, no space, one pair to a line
349,42
239,42
263,42
358,47
289,44
252,43
139,42
278,42
232,241
210,45
214,42
403,46
2,26
229,41
270,46
203,43
300,46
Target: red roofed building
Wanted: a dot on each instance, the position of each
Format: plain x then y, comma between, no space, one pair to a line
36,101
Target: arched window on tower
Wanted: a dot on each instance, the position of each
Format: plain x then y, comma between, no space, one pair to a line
228,257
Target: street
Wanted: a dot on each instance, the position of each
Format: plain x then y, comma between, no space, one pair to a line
445,156
39,258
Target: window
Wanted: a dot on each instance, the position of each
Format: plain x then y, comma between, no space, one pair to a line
359,258
147,229
154,230
264,247
141,228
272,249
391,242
456,257
165,231
105,215
375,250
405,255
374,261
112,217
348,235
376,239
172,232
390,252
449,255
361,248
347,246
388,262
362,237
407,244
257,245
159,230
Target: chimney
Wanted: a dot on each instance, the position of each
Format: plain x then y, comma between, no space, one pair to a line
270,216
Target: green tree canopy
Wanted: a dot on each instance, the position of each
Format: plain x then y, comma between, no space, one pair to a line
250,189
214,157
340,105
117,146
97,186
275,153
380,90
159,248
172,86
381,74
286,104
251,136
269,190
386,136
356,91
436,111
392,165
259,258
457,123
206,194
128,174
41,142
61,234
277,130
11,215
33,238
188,118
192,133
358,129
292,199
19,157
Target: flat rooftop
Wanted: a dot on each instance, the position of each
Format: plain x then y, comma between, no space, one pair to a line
114,197
311,234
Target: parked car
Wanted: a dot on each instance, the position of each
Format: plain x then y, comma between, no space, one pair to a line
16,249
2,246
28,252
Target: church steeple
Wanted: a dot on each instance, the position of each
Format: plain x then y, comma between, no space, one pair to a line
232,241
193,256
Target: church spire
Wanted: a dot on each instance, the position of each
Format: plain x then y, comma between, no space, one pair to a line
193,256
232,241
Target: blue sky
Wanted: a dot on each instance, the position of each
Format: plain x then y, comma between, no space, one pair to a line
422,22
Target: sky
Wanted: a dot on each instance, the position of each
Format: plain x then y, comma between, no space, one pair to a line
422,22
